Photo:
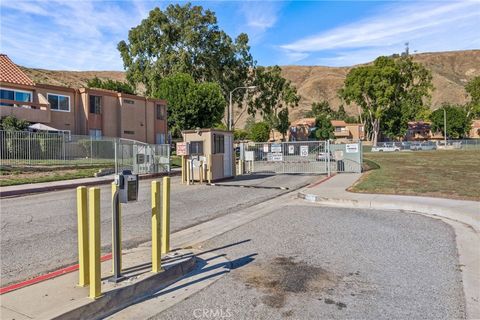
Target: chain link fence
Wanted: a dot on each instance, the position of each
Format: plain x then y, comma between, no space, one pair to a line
23,148
465,144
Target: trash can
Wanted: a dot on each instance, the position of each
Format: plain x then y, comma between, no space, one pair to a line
340,166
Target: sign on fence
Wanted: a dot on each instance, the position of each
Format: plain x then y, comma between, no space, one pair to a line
291,149
351,148
304,151
276,147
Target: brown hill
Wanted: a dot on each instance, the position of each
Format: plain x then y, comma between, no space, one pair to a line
450,70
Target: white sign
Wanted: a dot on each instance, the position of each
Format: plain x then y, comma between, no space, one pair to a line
249,155
277,157
304,151
291,149
351,148
265,148
182,148
276,147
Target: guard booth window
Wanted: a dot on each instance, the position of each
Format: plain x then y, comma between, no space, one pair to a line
196,148
218,143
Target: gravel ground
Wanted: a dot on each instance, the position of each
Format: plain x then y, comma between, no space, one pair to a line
39,232
307,262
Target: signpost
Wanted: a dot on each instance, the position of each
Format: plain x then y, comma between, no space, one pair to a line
304,151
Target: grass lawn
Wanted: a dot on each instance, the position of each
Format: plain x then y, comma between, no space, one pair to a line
16,176
176,161
444,173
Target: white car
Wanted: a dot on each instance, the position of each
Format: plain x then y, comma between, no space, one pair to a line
386,147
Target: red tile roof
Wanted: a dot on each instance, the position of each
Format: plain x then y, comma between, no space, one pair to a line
10,73
303,122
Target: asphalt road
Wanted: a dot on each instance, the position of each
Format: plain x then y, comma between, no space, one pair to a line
310,262
39,232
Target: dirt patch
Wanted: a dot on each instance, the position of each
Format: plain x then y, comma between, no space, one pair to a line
283,276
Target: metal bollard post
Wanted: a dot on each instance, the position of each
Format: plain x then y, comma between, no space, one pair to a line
94,242
156,244
82,220
115,189
166,215
209,168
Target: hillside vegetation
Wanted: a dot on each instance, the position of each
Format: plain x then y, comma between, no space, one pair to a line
450,70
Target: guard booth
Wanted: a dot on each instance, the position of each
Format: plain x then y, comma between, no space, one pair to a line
207,155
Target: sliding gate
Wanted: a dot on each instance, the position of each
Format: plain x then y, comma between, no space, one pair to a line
320,157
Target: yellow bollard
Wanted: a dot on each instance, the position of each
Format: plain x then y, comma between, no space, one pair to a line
94,242
166,215
156,245
114,188
82,220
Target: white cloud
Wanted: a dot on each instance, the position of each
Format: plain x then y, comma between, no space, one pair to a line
73,35
259,17
427,26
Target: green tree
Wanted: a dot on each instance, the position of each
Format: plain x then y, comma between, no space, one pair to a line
458,123
473,89
387,89
110,85
11,123
283,123
260,132
240,134
324,128
319,108
190,104
185,39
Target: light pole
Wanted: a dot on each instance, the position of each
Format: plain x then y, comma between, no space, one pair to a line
445,127
230,109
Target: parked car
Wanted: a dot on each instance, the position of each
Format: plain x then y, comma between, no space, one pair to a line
425,145
385,147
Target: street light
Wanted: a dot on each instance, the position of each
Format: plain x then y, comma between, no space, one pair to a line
445,127
230,109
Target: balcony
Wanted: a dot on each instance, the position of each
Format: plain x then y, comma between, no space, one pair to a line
341,132
29,111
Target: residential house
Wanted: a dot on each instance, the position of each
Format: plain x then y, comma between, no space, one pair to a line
421,131
300,129
474,132
83,111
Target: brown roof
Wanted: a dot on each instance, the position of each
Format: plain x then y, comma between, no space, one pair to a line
476,123
338,123
303,122
10,73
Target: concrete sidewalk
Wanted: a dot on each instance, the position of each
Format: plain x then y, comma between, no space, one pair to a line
333,192
30,188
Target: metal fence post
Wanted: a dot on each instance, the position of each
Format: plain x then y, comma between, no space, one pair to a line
156,243
94,243
114,249
166,215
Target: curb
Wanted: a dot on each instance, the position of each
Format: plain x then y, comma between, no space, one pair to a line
66,186
449,213
117,299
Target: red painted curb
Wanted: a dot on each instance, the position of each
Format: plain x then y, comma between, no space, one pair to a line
47,276
321,181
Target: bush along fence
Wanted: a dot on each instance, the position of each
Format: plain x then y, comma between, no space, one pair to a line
23,148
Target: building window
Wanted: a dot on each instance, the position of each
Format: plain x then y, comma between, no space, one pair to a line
96,134
128,132
160,138
95,104
161,112
218,143
338,129
196,148
17,95
128,101
59,102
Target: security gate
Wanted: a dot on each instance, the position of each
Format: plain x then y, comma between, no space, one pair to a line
320,157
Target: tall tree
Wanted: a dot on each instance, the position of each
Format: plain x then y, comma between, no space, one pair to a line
458,123
259,132
185,39
274,93
324,128
283,122
387,88
191,104
473,89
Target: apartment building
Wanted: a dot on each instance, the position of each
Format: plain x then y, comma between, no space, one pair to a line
83,111
348,131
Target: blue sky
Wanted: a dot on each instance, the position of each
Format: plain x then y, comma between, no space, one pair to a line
83,34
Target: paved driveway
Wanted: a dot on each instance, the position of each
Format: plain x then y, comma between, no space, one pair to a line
39,232
309,262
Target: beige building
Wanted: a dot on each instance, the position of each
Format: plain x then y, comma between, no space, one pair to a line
475,130
84,111
348,131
